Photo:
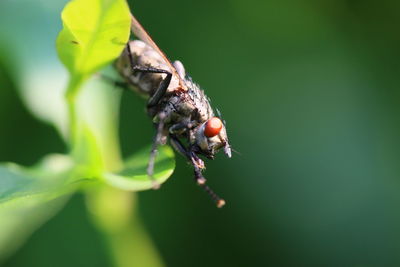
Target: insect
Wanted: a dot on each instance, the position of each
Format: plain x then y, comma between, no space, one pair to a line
180,110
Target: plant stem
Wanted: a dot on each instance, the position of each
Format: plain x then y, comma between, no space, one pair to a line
93,121
72,120
115,216
71,97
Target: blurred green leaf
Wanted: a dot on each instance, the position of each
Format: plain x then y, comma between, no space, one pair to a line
48,179
28,197
21,219
134,177
94,33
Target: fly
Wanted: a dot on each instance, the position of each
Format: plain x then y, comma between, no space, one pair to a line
178,107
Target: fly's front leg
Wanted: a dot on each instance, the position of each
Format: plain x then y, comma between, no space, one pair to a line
198,165
179,128
158,140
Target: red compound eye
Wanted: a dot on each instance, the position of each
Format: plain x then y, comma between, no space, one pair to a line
213,127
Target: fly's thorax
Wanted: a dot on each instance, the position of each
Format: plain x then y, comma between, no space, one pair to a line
185,106
176,108
199,101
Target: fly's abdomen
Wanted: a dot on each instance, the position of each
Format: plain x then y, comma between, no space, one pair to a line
143,56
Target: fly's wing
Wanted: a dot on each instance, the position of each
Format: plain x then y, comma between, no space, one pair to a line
141,33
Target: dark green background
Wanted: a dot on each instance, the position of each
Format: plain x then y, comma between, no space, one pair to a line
310,93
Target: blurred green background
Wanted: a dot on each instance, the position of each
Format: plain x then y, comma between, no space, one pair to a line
310,93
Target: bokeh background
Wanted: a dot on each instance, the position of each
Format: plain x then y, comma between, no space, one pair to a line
310,93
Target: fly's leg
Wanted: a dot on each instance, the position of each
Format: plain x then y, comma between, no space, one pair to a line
162,88
180,127
154,149
198,165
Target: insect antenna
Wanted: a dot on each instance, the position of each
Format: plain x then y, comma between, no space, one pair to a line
234,150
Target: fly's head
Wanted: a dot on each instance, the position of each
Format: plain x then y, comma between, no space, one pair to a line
210,136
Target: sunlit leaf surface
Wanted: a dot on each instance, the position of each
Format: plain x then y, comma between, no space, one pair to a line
134,176
94,33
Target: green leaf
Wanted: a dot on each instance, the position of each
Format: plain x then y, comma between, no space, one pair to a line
48,178
94,34
20,220
28,197
134,176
